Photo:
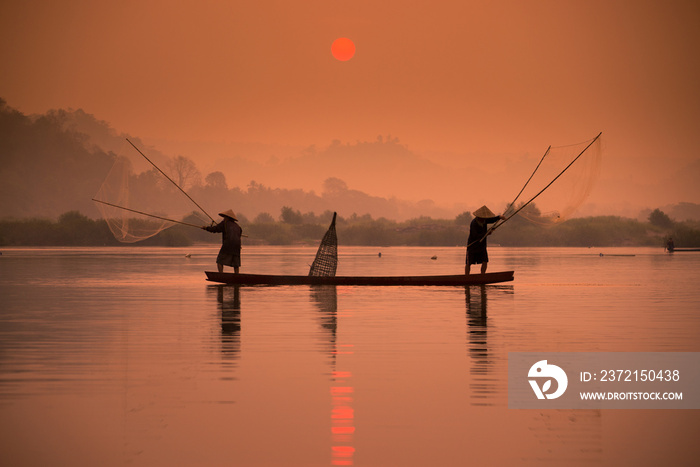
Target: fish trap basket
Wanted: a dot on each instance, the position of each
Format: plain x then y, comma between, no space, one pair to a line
326,261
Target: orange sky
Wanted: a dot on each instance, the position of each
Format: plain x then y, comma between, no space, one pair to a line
448,78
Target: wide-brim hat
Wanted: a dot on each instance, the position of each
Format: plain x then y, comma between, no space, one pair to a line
228,213
483,212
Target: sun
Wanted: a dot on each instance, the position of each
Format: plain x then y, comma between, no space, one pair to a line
343,49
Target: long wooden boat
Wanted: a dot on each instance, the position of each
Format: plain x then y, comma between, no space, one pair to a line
680,250
267,279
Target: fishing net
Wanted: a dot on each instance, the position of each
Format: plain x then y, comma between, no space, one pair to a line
137,201
560,183
326,261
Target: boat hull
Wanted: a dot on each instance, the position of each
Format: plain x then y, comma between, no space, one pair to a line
267,279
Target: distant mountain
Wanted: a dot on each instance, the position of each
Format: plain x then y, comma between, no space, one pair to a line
383,168
55,163
682,211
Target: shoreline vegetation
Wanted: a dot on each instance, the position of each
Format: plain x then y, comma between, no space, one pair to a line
293,228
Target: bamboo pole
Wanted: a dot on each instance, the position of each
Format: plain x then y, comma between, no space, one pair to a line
531,175
153,215
512,204
550,183
146,214
490,231
171,181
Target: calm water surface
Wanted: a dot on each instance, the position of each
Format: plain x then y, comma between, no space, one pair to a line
127,356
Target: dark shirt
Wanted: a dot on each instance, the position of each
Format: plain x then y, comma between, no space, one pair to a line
477,232
230,235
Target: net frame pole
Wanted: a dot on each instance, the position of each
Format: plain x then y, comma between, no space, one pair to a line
146,214
548,185
516,196
171,180
498,224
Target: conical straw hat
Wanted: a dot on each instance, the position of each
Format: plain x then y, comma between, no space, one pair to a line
228,213
483,212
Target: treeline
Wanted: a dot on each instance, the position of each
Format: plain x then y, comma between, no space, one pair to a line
74,229
292,227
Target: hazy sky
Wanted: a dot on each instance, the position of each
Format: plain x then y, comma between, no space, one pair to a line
459,76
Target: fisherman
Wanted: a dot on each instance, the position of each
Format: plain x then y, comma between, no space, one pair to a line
230,252
476,244
670,246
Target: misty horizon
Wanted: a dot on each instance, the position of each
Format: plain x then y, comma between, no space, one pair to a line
382,169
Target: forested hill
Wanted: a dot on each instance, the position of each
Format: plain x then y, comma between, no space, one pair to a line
56,162
46,170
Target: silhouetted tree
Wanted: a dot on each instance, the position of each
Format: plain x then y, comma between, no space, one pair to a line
216,180
464,219
660,219
184,172
290,216
334,185
264,218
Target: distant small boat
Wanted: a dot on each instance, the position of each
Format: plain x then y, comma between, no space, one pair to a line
269,279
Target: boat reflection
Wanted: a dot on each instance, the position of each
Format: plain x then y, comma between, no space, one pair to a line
229,299
484,379
325,297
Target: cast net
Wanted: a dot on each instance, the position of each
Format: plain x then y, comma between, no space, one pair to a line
326,261
137,201
560,184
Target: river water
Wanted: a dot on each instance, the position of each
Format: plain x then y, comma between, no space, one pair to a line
127,356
